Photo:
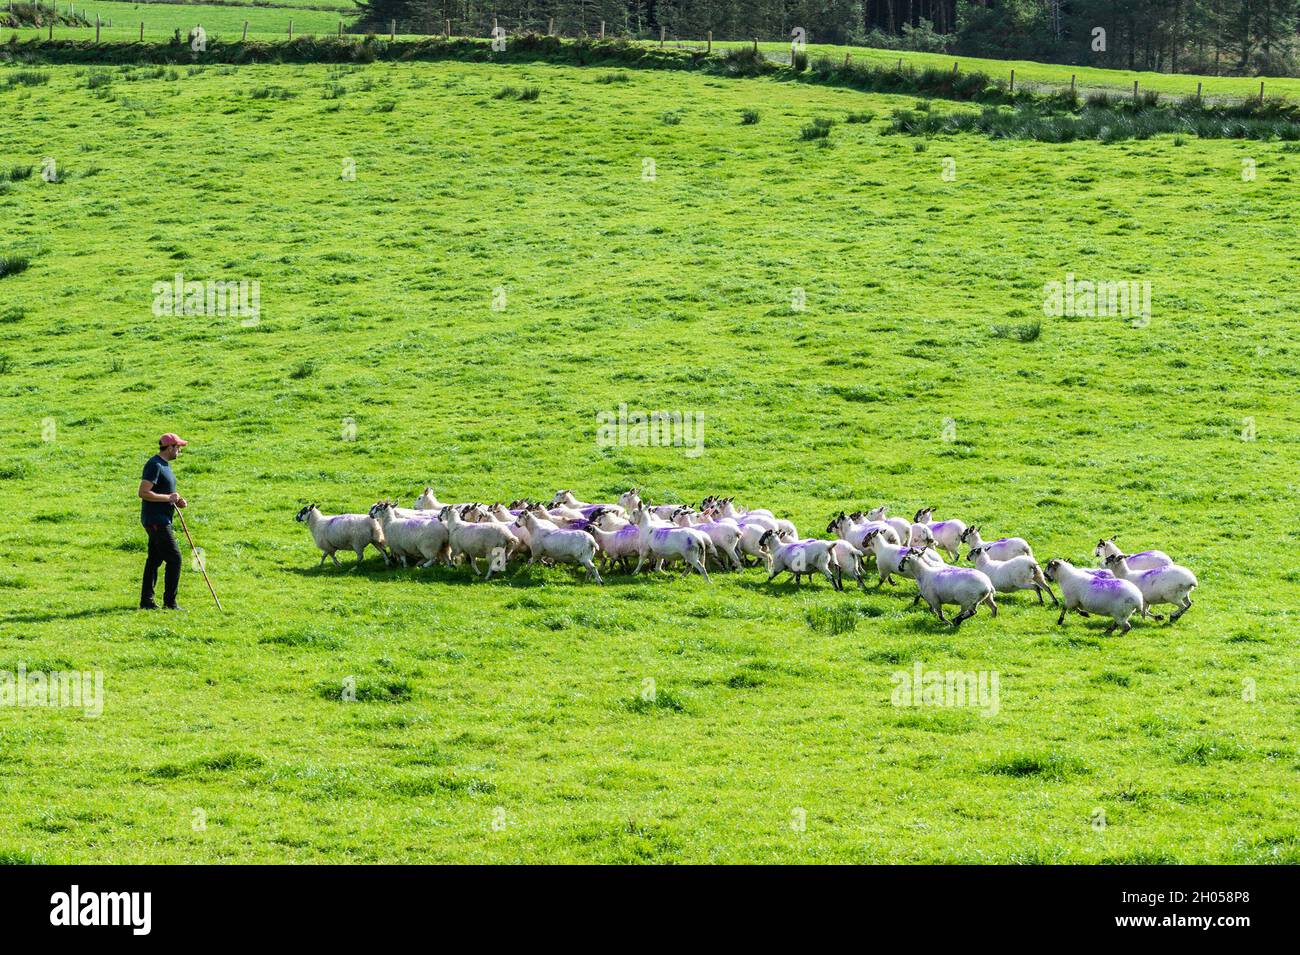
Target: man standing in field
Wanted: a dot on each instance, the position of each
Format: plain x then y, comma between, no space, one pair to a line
157,497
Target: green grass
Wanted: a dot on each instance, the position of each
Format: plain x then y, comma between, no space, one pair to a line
161,20
526,699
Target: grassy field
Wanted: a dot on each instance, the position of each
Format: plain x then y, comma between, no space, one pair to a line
508,721
163,19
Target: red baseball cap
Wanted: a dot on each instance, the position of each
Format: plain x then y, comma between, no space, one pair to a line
170,438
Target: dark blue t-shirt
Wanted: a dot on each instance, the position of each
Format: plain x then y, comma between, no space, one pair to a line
164,482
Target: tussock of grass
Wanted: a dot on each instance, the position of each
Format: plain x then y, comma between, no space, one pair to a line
525,94
13,264
1024,332
839,618
27,78
368,690
661,699
1054,766
309,637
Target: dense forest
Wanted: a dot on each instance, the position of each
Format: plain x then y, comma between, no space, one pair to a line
1202,36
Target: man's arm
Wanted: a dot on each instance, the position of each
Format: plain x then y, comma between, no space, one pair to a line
147,493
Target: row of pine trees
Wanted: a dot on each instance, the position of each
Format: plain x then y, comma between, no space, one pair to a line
1202,36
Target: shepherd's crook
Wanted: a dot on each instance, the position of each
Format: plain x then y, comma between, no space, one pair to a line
197,560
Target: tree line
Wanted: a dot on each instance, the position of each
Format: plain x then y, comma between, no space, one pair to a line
1200,36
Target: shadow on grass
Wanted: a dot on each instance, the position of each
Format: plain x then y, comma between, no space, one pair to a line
73,614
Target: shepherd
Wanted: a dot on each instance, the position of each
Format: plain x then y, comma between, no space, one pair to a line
158,497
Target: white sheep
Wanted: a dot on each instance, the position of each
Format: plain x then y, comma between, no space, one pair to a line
785,529
1171,584
798,557
725,535
354,532
845,556
1142,560
670,543
631,502
940,584
902,527
889,556
1004,548
489,540
412,537
946,533
855,532
559,545
1015,573
1089,593
619,545
428,501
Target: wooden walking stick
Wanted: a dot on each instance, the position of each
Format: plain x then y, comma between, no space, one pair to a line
197,560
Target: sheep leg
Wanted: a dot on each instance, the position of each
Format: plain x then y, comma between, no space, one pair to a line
938,611
1061,619
993,607
323,555
699,565
592,571
1186,606
917,599
1111,628
1127,627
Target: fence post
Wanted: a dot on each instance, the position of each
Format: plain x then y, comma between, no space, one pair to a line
1135,91
448,25
392,30
1013,81
710,49
900,64
602,29
340,29
245,40
954,68
755,44
550,27
662,31
1071,86
1198,91
1261,92
141,31
847,57
97,36
290,29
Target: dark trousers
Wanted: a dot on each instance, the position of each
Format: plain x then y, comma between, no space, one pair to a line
163,549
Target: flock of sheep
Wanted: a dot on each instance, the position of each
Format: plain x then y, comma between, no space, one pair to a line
721,533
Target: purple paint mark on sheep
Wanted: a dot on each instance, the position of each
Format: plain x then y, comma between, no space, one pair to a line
1106,583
